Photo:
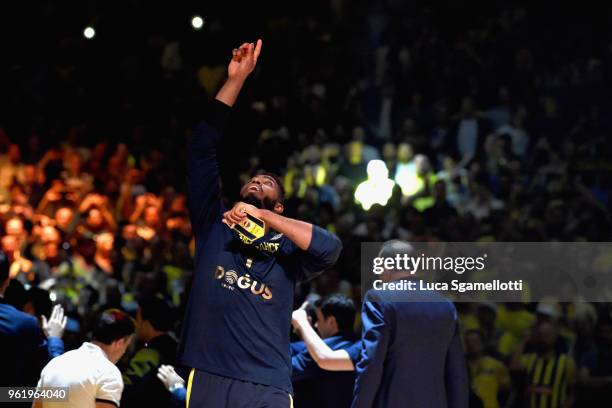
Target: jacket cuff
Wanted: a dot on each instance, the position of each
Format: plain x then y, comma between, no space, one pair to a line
55,346
217,115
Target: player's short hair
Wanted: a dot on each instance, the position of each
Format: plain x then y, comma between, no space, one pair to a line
341,307
113,325
279,183
157,312
4,267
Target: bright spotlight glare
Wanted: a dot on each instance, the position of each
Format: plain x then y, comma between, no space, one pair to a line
197,22
377,189
89,33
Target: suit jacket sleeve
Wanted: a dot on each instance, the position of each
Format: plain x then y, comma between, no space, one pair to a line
374,344
456,377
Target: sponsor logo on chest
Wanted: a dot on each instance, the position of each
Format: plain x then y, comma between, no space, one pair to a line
230,280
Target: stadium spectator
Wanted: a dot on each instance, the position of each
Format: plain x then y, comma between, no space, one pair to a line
489,377
550,374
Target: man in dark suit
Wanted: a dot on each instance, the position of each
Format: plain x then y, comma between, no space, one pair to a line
25,349
411,354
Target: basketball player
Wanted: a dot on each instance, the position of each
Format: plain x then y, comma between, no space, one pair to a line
248,258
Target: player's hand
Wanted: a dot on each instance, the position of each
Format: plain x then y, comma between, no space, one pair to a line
244,60
169,377
54,327
299,317
239,212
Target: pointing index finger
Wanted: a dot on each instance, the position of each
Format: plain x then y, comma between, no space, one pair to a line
258,48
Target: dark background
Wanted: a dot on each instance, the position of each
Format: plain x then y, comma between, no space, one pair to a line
326,70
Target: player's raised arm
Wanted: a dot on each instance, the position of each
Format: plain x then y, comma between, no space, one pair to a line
203,169
244,61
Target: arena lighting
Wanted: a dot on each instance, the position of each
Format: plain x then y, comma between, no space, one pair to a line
197,22
89,32
406,177
377,189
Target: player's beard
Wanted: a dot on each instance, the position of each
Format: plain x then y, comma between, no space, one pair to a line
265,204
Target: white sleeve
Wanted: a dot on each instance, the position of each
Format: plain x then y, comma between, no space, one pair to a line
110,387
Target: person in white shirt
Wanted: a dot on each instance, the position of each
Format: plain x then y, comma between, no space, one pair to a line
90,373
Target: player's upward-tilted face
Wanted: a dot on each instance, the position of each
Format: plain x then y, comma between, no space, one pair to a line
263,191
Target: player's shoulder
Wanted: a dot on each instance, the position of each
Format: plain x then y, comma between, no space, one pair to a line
107,371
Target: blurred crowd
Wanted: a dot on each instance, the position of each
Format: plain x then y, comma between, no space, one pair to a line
492,130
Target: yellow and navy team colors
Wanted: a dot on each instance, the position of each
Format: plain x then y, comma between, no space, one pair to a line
548,379
251,229
218,391
238,317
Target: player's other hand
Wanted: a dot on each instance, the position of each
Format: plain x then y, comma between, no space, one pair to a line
239,212
244,60
169,377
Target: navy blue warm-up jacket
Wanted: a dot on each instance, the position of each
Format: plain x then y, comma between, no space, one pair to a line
238,317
